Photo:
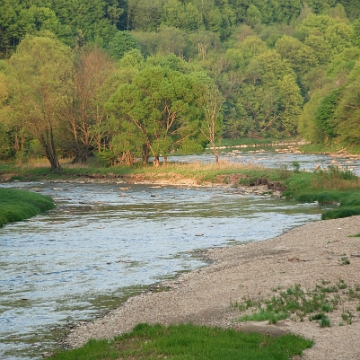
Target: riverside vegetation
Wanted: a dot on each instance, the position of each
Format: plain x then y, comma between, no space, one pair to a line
187,342
18,205
334,187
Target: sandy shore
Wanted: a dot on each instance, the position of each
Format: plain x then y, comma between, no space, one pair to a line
306,255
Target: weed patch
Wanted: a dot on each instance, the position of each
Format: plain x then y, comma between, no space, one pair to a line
297,303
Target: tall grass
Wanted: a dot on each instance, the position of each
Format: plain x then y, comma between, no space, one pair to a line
16,205
188,342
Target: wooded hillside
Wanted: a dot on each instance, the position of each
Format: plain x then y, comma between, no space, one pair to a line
125,78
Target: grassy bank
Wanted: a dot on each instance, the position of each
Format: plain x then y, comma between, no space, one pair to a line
16,205
338,189
189,342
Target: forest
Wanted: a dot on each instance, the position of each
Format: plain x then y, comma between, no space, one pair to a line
128,79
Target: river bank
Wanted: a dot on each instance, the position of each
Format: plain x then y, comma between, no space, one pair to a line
309,255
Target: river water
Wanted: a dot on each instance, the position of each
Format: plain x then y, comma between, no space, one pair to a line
104,242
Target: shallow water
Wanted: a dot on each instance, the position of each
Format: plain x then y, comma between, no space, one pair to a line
105,241
270,159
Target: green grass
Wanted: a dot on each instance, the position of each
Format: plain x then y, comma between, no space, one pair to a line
298,304
188,342
16,205
265,315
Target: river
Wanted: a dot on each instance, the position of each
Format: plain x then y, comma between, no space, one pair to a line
104,242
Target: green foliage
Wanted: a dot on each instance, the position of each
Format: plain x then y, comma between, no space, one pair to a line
324,116
264,315
160,111
120,44
340,213
187,341
281,67
16,205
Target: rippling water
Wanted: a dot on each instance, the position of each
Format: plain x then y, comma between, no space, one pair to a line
104,242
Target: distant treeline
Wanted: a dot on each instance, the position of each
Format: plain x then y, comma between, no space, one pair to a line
145,78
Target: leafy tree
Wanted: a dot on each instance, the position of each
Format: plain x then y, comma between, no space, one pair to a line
324,116
251,47
90,19
160,104
355,37
347,113
352,8
171,40
120,44
290,103
339,36
307,126
300,56
320,47
253,15
204,41
145,15
40,73
182,15
5,145
321,6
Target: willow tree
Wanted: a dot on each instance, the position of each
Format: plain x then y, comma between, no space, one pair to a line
40,72
158,110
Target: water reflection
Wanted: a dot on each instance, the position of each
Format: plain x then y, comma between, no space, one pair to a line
78,260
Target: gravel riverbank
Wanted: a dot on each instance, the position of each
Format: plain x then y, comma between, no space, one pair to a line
309,255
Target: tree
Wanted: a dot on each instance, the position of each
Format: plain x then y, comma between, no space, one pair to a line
5,146
161,104
121,43
300,56
211,102
204,40
182,16
84,106
324,116
347,113
40,74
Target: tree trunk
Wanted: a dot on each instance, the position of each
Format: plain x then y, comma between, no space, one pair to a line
145,154
156,161
48,144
